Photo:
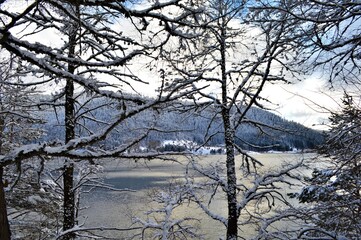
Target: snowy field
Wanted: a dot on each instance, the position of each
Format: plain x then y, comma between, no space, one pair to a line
117,209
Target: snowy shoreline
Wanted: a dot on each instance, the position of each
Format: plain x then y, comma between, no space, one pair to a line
193,148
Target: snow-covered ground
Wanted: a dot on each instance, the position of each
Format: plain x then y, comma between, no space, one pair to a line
196,149
208,150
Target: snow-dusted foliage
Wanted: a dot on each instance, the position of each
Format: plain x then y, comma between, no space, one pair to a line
18,115
335,190
19,124
34,201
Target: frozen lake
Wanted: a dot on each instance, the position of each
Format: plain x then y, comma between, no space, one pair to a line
115,209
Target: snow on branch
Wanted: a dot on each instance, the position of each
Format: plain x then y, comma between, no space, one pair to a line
160,222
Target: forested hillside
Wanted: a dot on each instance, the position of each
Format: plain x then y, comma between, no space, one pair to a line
260,131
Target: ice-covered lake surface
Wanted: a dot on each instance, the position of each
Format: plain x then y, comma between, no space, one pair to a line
105,208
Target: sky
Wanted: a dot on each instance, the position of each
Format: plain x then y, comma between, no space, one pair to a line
308,102
303,101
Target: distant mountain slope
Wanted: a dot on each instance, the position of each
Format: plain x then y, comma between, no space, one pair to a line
274,132
198,127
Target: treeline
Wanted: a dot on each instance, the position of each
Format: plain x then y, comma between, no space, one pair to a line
261,131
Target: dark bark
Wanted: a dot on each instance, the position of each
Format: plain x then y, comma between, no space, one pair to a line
68,181
232,229
69,200
4,223
68,178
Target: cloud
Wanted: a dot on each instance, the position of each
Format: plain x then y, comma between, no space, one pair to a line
308,102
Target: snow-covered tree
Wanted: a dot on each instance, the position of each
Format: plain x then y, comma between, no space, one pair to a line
17,123
335,190
93,46
328,34
327,31
231,60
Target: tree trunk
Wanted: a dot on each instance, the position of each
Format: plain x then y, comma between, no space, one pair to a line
4,223
232,228
69,200
68,178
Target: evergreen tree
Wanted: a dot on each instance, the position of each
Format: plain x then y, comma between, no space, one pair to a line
335,189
